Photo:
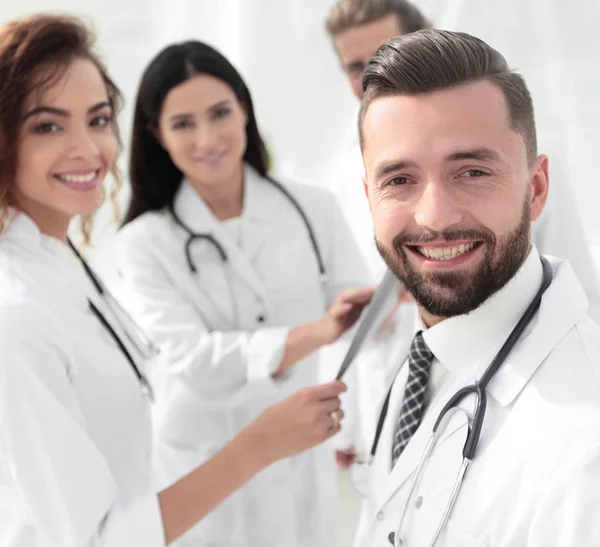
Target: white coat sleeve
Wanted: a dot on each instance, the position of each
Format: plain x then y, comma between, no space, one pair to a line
567,513
347,269
559,232
210,362
59,486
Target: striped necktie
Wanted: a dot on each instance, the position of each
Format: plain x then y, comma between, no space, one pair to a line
419,365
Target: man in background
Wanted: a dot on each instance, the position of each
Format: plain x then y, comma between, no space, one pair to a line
357,29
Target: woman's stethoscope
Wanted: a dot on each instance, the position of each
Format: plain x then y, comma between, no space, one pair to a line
145,348
474,430
209,238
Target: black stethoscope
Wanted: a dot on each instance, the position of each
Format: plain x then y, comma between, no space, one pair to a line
478,388
146,348
209,238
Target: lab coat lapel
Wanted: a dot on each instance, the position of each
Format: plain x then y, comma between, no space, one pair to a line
410,458
563,305
256,215
199,218
258,212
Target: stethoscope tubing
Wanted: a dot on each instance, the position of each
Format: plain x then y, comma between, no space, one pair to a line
210,238
145,385
478,388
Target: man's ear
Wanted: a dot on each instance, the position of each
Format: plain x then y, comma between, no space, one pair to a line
540,183
365,186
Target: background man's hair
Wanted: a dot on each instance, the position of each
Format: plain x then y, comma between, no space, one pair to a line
347,14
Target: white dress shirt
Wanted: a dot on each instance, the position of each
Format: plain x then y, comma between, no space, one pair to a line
454,347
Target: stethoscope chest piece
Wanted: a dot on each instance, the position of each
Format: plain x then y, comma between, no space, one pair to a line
474,429
146,389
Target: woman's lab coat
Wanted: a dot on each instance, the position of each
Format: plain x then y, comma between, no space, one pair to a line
535,479
75,430
202,403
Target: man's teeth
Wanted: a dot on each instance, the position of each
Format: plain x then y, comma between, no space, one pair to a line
78,179
445,253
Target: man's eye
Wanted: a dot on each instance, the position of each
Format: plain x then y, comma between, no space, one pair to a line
474,173
397,181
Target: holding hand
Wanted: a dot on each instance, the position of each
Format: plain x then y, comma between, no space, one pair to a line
299,422
343,313
345,459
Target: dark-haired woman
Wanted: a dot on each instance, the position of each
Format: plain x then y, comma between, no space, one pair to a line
75,431
215,252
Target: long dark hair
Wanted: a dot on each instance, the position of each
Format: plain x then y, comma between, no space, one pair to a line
154,177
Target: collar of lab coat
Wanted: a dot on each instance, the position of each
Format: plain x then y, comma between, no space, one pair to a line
197,215
257,213
44,251
464,343
257,208
61,250
22,226
563,305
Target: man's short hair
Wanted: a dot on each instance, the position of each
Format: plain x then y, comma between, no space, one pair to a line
347,14
436,60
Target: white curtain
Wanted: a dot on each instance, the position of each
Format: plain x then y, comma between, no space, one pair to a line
556,46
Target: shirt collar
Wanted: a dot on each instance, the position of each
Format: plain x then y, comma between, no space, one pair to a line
464,342
194,212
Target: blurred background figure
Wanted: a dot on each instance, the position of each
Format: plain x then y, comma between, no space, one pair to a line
306,106
357,28
216,252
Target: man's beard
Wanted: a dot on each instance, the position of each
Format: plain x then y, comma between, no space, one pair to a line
451,293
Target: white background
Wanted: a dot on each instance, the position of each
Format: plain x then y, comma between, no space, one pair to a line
303,104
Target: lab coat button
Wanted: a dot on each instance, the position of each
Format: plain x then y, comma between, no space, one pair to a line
261,318
380,515
419,502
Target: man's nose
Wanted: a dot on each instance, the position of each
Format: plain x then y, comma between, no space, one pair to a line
436,208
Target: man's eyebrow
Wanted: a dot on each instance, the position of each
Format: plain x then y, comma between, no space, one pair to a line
388,167
479,154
